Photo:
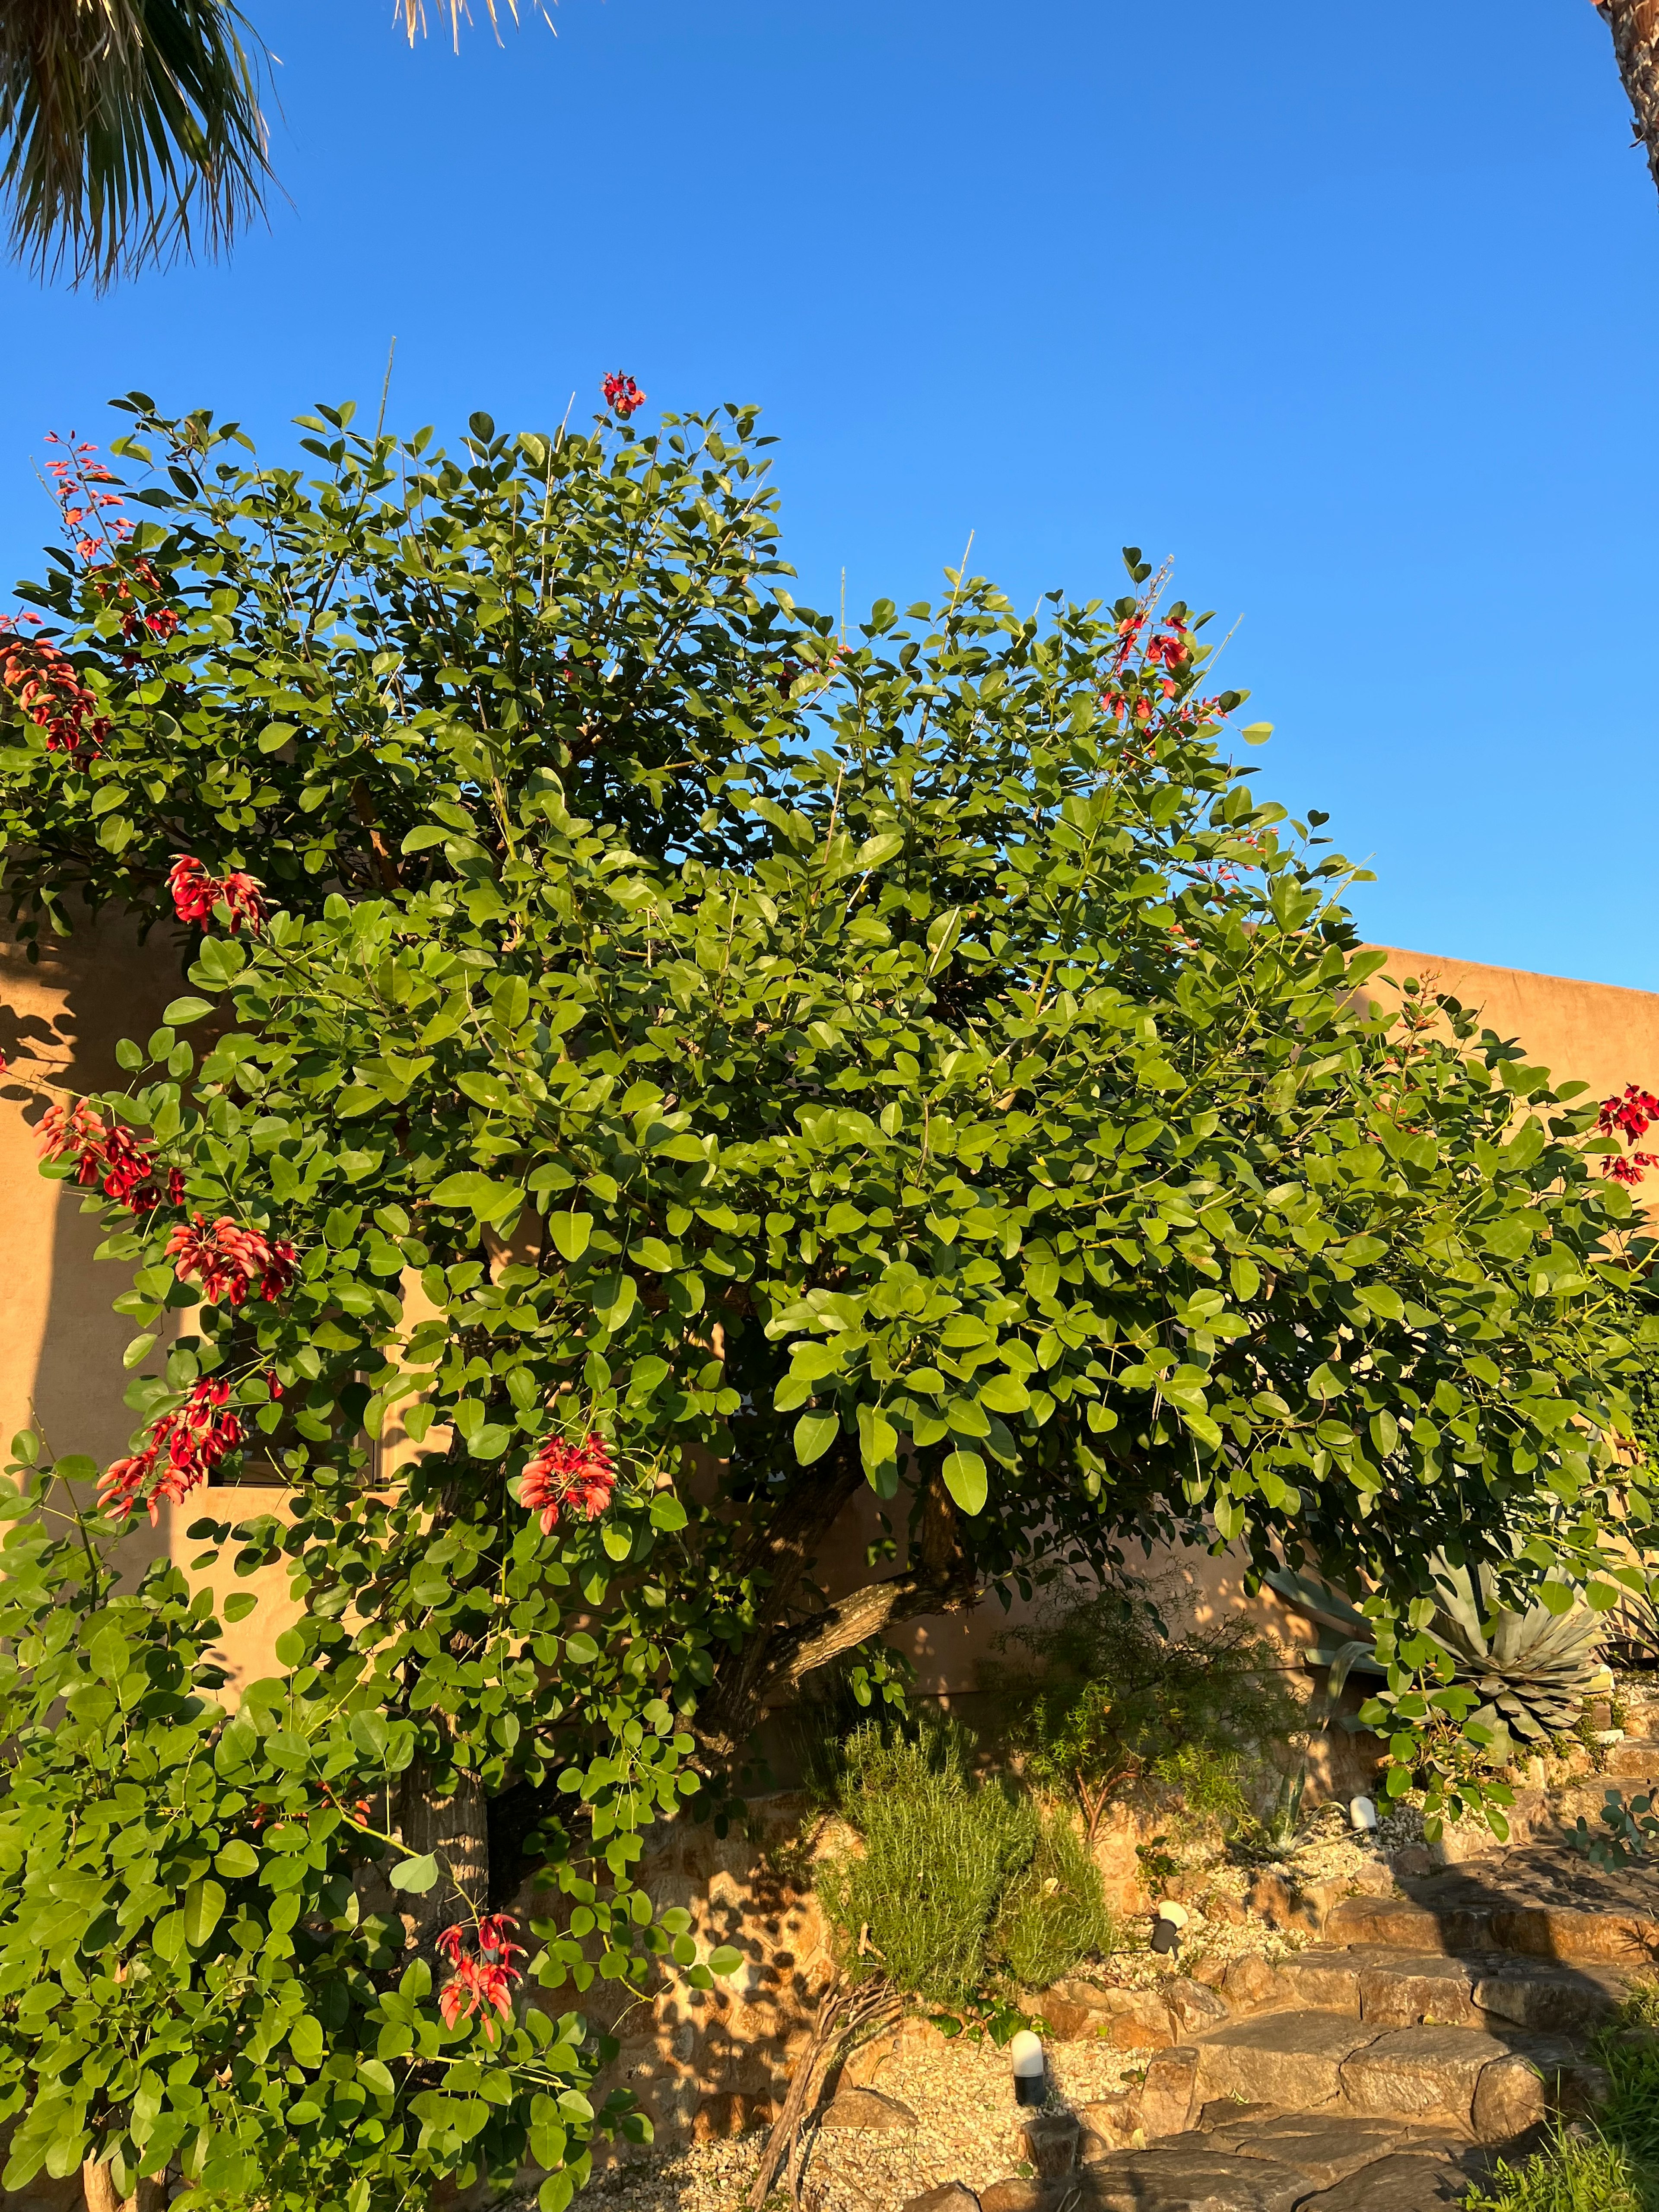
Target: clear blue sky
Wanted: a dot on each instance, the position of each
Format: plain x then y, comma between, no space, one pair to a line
1352,310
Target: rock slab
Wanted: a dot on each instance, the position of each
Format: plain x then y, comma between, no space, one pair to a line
1188,2176
1402,2184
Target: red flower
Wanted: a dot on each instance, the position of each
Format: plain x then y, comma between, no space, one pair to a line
1629,1115
561,1474
183,1449
50,694
622,395
107,1153
493,1939
195,894
228,1261
485,1980
127,1167
71,1126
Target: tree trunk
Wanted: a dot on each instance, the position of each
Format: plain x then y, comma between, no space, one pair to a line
98,2188
778,1653
456,1829
1635,28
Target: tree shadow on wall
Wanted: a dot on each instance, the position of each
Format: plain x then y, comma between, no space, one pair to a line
61,1344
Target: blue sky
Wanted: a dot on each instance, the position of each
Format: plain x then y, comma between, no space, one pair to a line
1354,312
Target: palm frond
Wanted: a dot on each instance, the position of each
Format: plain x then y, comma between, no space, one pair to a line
414,14
132,131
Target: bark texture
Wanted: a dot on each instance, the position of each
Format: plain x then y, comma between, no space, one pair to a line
1635,28
98,2188
456,1829
792,1635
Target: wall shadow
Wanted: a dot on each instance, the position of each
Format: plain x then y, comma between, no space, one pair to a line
61,1344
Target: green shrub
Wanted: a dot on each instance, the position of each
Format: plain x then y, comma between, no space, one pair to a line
1575,2174
940,1847
1615,2166
1053,1913
1107,1699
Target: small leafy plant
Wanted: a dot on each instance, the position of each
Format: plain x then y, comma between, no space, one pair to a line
1631,1828
1109,1700
1053,1913
940,1846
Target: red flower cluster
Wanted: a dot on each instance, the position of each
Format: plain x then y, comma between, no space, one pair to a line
1628,1116
87,508
184,1447
560,1476
484,1978
93,528
108,1154
622,395
229,1262
196,893
46,687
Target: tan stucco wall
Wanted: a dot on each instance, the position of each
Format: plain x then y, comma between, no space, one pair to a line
61,1345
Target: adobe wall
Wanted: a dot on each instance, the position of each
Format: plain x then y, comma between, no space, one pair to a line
61,1345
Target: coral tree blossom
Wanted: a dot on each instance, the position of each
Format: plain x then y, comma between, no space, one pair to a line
108,1154
229,1262
485,1979
182,1450
579,1478
196,893
48,691
622,395
1629,1115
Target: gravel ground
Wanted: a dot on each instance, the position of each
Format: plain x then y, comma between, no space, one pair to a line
961,2092
967,2122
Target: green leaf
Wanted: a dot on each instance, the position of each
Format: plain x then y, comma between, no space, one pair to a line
484,1088
878,1440
1005,1393
239,1605
814,1434
204,1905
415,1874
180,1012
236,1860
487,1199
570,1233
966,1480
726,1960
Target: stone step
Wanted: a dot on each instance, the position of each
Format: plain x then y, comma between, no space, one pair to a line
1496,2085
1471,1918
1328,2147
1391,1987
1636,1758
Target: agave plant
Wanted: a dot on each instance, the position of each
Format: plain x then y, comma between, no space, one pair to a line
1352,1649
1532,1670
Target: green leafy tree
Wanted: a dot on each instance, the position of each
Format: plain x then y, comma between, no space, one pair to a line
673,1069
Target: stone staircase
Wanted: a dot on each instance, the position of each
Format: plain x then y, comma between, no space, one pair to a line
1385,2069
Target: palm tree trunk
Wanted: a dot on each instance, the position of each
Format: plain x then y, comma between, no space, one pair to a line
1635,28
